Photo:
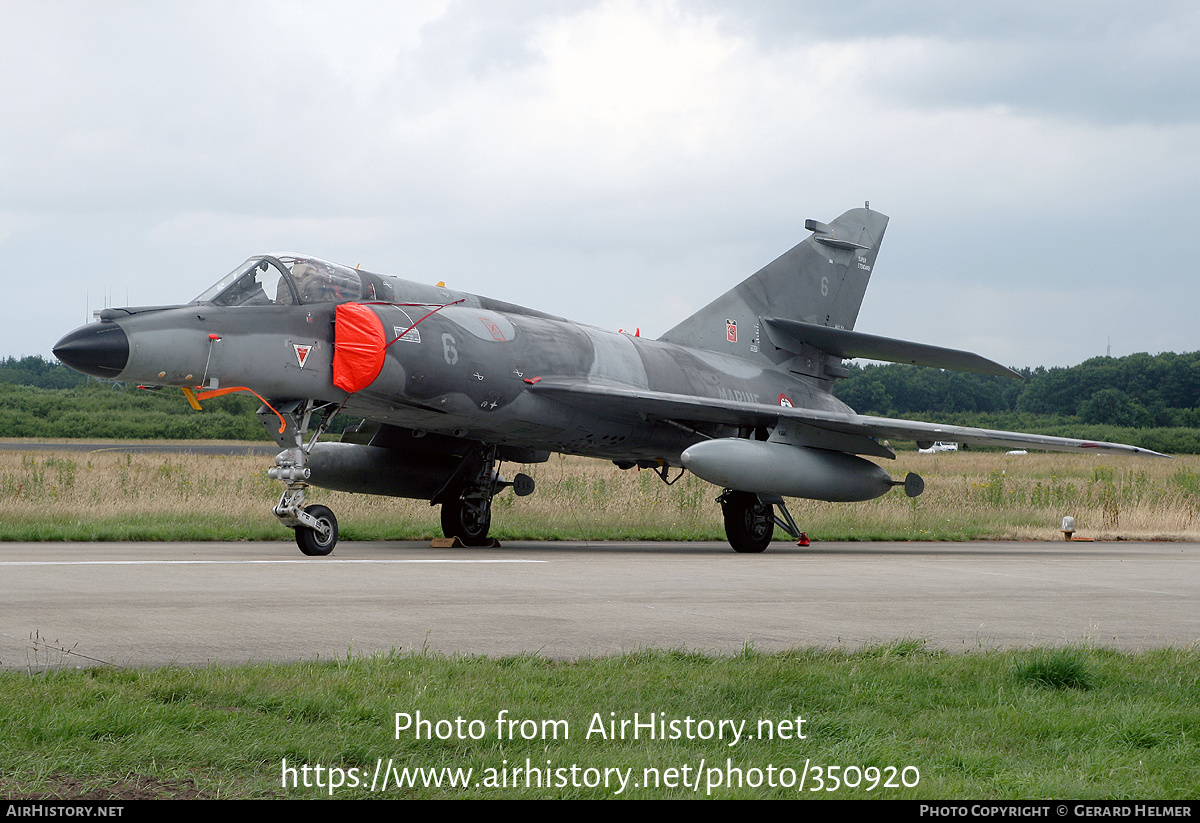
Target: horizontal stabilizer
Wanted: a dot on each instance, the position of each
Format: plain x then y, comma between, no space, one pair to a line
791,335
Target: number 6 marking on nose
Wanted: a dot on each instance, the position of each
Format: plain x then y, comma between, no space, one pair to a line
448,349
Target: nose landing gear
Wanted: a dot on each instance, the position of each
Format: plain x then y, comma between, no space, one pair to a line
316,527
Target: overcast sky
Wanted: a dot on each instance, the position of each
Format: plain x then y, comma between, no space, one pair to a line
620,163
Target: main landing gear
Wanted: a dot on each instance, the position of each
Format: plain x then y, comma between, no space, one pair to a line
750,520
466,499
749,523
469,518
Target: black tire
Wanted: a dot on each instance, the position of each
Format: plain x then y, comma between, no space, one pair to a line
468,520
310,541
749,523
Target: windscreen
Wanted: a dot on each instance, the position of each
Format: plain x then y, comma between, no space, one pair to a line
284,281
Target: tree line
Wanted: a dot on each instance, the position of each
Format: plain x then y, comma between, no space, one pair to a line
1150,401
1135,391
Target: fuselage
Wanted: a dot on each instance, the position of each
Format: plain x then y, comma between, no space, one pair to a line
454,363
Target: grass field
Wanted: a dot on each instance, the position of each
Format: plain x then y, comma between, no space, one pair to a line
896,721
969,495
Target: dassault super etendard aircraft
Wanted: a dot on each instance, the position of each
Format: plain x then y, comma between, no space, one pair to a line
451,384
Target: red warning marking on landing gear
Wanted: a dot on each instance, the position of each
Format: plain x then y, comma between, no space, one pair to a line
786,401
301,353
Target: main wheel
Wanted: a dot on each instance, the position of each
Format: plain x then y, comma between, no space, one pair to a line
468,519
749,523
311,541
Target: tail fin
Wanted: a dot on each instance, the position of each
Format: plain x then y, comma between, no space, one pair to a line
820,281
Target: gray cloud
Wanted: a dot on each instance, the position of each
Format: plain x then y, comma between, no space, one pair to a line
614,161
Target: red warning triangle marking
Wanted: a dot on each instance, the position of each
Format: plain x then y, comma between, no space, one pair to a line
301,353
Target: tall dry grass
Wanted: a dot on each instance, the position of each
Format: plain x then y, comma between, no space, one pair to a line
113,495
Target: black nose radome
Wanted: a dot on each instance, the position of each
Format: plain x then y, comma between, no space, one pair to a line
99,349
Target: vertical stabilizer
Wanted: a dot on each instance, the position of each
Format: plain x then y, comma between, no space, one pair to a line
821,281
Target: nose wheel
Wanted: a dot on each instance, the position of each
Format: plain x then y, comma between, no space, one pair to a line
318,540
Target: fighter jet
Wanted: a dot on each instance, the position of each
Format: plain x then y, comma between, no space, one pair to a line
450,385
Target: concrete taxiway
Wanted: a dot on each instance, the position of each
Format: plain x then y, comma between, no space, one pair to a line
150,604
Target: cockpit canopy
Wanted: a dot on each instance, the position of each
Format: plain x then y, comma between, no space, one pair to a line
289,280
297,280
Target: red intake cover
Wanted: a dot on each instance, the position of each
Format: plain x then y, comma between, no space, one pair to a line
358,347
